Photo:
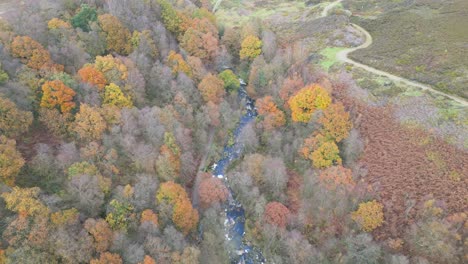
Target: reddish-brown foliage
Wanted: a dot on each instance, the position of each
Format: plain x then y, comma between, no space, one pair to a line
406,164
336,177
107,258
149,216
293,191
211,191
101,233
290,86
276,214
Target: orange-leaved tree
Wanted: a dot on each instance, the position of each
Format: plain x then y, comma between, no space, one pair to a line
272,116
25,201
11,161
369,215
251,47
212,88
32,53
276,214
335,122
91,75
304,103
55,94
149,216
184,216
107,258
101,233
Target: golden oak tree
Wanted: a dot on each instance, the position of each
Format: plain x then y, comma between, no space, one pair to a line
13,121
304,103
369,215
11,161
335,122
117,35
212,88
251,47
89,124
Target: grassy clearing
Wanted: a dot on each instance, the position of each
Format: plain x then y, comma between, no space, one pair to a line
329,55
235,13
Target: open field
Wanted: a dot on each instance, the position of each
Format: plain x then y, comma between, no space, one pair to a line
426,41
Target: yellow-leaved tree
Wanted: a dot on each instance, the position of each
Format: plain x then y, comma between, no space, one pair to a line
251,47
304,103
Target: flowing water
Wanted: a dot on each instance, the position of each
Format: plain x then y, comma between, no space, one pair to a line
242,251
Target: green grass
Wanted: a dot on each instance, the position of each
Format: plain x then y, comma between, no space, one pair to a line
330,56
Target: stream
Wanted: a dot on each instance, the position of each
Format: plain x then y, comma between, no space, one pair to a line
234,224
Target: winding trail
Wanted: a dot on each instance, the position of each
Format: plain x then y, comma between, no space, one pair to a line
342,56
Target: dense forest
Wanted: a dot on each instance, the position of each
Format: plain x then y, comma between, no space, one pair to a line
113,114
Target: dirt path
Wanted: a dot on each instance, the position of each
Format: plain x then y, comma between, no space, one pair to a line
343,57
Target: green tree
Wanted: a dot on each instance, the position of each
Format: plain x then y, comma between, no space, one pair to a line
230,80
84,17
120,215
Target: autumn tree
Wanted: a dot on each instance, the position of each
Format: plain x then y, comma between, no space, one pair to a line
335,122
272,116
211,191
107,258
369,215
117,35
251,47
101,232
171,19
168,163
113,95
91,75
149,216
184,216
13,122
25,201
276,214
321,151
113,68
177,63
290,86
11,161
337,177
89,124
120,215
231,40
199,44
83,18
33,54
304,103
326,155
56,23
212,89
231,82
55,94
